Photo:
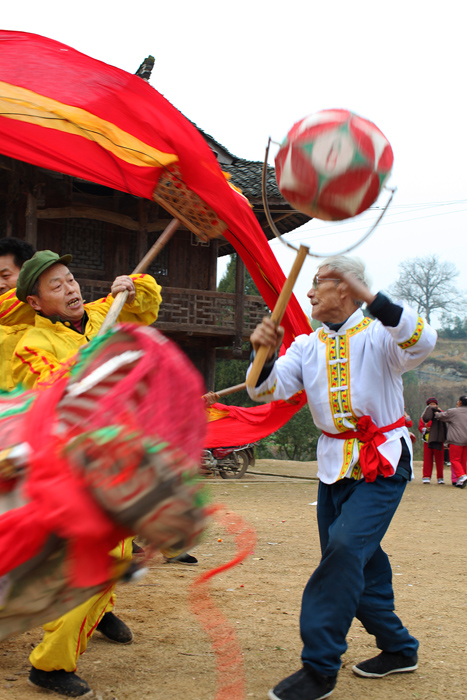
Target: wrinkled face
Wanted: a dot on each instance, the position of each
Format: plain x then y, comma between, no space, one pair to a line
59,294
8,273
325,297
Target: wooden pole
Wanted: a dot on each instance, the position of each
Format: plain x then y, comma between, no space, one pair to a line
239,305
231,390
277,314
31,220
119,301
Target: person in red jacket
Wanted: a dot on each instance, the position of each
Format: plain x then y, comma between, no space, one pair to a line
456,421
432,449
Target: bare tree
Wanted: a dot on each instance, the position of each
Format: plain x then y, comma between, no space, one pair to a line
427,283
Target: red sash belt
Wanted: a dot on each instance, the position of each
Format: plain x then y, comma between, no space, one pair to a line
371,460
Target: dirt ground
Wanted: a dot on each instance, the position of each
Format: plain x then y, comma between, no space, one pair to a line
172,658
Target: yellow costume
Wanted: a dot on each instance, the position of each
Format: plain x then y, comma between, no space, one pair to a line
13,311
15,319
46,345
43,350
66,638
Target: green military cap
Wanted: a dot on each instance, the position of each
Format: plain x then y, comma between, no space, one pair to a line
34,267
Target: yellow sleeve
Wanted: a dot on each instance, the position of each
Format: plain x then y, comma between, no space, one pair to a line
34,360
13,311
145,307
9,338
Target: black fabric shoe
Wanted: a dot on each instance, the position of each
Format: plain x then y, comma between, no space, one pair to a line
185,558
61,682
115,629
305,684
136,549
386,663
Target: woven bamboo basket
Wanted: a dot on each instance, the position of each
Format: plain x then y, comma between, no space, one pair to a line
173,194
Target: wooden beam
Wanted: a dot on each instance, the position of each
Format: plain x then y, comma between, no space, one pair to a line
13,199
213,251
276,219
239,304
31,220
81,212
227,354
210,366
143,228
197,330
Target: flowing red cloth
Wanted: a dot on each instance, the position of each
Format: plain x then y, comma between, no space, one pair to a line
66,501
59,505
371,460
65,111
244,425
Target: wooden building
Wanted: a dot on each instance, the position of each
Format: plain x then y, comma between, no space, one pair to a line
108,232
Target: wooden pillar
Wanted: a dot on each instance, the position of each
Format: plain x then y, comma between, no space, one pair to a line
239,305
31,219
210,366
143,245
213,252
12,208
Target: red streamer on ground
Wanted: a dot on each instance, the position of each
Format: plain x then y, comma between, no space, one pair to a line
227,650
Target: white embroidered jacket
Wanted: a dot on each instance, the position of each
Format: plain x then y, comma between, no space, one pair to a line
353,372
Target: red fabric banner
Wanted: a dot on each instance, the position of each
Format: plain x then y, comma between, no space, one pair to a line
240,426
65,111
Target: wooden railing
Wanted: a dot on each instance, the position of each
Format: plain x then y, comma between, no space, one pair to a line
193,310
207,312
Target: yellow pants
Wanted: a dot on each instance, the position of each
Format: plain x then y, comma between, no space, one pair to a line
66,638
171,552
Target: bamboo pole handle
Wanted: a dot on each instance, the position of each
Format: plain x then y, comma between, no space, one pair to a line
231,390
114,312
119,301
277,314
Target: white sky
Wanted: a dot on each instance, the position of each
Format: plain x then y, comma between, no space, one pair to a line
247,70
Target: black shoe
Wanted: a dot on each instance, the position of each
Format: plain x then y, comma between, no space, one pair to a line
305,684
136,549
62,682
386,663
185,558
115,629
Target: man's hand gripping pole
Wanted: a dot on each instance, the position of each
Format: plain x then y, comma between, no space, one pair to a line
277,314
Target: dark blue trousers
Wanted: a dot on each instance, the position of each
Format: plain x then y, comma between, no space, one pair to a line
354,577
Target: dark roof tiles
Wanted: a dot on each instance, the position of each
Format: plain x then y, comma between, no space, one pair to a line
248,174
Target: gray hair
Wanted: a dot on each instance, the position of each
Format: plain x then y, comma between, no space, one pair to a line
347,263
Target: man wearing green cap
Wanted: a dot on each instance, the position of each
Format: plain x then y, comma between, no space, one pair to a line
63,323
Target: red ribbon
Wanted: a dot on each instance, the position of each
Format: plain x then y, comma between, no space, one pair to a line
372,461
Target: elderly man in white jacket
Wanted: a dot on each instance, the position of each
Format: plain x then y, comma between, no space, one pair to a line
351,370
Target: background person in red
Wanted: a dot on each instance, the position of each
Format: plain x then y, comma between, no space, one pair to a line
433,439
456,419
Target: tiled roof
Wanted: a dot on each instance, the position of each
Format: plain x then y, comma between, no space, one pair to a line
248,175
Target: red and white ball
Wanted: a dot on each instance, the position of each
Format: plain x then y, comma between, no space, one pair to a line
333,164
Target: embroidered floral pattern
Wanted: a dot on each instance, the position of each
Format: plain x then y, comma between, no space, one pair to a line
338,381
359,327
415,337
347,454
337,353
270,391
